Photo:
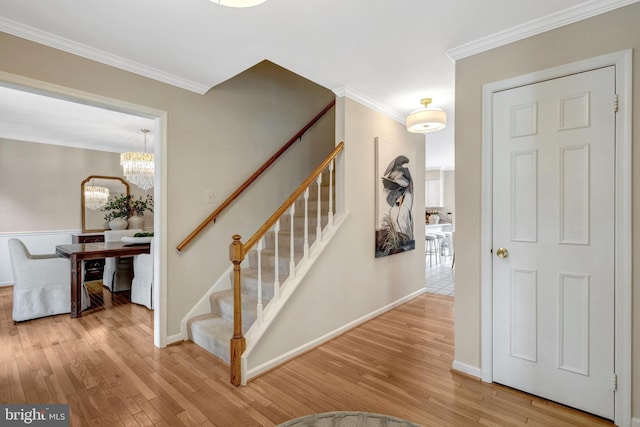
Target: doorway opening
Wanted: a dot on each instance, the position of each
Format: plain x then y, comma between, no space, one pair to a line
154,119
439,231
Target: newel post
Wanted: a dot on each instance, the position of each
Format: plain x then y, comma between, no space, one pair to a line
238,342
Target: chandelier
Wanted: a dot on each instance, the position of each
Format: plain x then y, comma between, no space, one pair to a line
138,168
95,197
427,119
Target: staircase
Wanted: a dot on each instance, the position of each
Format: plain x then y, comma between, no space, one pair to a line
213,330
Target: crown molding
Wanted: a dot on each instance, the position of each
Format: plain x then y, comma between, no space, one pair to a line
370,103
537,26
61,43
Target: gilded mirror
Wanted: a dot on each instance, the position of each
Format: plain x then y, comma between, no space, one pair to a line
92,217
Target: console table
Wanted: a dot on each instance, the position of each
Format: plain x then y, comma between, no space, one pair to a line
79,252
93,268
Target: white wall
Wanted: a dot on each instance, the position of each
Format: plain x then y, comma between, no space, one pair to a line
348,283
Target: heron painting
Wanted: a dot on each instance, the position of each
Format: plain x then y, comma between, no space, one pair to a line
394,205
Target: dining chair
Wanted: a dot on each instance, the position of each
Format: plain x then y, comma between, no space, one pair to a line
142,283
118,271
41,284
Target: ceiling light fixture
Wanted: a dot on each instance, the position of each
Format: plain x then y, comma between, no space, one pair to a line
95,197
238,3
427,119
138,168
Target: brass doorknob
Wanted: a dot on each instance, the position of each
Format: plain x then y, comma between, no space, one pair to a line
502,253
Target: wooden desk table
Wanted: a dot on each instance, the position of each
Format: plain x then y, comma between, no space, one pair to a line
79,252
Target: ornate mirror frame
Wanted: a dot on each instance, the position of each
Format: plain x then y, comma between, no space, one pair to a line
85,228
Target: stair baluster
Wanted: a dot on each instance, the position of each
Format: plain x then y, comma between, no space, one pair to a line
306,223
276,279
319,219
292,260
259,247
330,214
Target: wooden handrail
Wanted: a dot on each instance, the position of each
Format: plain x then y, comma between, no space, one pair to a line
292,198
237,253
211,218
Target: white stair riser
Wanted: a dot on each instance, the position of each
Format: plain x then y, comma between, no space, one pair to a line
222,305
250,286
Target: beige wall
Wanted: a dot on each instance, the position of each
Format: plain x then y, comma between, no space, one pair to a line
600,35
41,185
348,282
214,141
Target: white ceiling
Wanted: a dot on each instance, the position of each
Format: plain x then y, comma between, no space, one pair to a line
26,116
386,53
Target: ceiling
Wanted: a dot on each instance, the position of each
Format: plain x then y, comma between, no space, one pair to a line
386,54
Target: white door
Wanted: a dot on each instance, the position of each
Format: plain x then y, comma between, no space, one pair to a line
553,213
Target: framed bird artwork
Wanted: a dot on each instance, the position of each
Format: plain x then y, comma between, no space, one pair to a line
395,167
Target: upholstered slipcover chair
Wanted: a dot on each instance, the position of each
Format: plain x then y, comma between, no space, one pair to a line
142,284
41,284
118,270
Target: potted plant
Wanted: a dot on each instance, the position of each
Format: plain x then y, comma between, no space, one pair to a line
123,207
117,212
137,208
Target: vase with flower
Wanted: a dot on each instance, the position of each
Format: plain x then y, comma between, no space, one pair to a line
124,211
433,217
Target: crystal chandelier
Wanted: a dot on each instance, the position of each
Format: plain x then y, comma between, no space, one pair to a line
138,168
95,197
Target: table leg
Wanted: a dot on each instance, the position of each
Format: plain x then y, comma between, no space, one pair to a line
76,287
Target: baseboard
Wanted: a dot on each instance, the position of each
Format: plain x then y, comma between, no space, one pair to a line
271,364
466,369
175,338
635,422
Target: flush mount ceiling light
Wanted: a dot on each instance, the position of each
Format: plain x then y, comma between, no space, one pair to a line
427,119
138,168
238,3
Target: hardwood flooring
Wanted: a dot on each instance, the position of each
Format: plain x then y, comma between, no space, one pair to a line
104,365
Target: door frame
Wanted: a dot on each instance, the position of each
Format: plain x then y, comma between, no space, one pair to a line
160,181
622,60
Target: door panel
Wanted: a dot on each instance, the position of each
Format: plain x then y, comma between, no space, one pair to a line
553,198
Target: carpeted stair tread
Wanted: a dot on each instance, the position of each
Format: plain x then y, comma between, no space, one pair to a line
212,333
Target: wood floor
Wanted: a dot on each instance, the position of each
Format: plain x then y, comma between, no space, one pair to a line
104,365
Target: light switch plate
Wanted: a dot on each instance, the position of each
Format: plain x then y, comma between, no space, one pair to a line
209,197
